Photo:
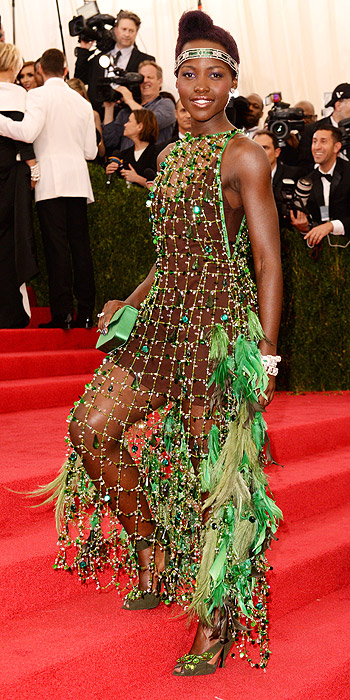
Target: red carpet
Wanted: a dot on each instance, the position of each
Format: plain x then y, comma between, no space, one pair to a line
63,641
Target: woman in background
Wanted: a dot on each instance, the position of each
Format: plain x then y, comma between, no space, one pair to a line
132,163
17,250
26,77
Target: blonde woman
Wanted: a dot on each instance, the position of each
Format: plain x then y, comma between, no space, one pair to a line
17,250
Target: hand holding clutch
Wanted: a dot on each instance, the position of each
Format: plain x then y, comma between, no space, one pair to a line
118,330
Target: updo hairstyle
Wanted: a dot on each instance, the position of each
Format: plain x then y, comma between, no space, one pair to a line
196,24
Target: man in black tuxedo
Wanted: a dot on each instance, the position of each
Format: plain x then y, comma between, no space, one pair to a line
162,107
125,53
279,171
340,102
329,201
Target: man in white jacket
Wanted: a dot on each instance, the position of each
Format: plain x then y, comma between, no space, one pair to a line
60,124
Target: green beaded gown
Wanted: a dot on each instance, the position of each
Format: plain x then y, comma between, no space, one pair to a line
195,345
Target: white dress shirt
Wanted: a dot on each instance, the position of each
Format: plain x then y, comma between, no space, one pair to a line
124,56
250,132
60,124
338,227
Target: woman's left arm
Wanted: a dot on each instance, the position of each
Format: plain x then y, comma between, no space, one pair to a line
252,178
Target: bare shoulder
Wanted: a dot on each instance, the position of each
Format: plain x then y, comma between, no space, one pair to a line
243,155
164,153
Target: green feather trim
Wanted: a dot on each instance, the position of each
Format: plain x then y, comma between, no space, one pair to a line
207,464
213,444
206,484
254,326
219,342
267,513
57,490
242,515
229,487
250,376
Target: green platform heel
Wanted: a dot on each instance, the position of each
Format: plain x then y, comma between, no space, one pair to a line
193,665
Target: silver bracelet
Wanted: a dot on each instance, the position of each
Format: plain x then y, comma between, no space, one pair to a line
270,364
35,172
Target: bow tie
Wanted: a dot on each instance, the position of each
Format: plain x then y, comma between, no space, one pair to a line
326,176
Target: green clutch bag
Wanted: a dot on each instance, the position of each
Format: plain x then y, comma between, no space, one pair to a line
119,329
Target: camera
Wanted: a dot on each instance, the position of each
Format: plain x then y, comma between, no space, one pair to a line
236,111
294,197
90,25
282,119
107,87
344,126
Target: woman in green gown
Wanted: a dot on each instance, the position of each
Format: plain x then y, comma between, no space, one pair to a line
194,509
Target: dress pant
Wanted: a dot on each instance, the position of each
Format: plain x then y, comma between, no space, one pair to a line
65,233
12,313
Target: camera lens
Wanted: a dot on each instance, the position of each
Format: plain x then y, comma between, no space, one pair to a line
280,129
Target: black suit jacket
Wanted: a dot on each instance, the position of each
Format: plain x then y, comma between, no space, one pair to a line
147,160
90,72
305,159
339,197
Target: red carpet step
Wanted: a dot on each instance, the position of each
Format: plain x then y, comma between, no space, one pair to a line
48,363
64,640
29,339
21,394
45,367
92,650
314,554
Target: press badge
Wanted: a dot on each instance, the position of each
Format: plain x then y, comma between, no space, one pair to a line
324,211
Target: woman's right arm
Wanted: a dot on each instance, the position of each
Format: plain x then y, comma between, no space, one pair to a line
135,299
140,293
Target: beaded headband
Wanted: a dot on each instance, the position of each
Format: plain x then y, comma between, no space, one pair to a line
206,53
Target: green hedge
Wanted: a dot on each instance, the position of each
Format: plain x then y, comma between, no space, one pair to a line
315,329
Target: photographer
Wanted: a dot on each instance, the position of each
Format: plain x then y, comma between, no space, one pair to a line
286,123
125,53
163,108
329,201
289,152
340,102
279,171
